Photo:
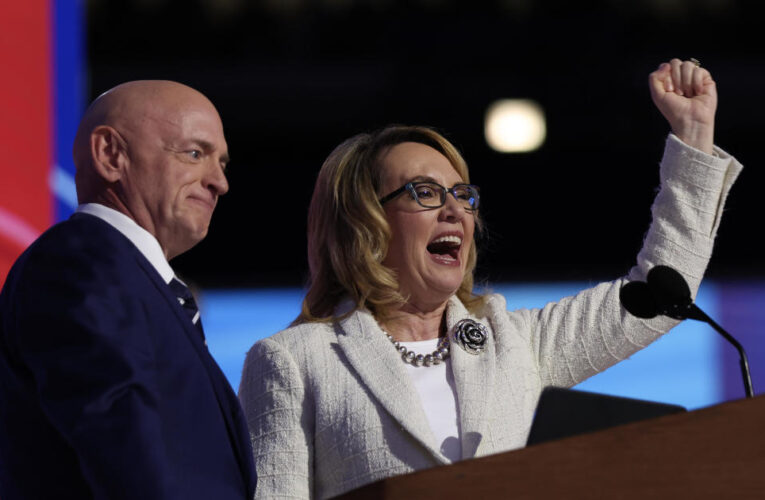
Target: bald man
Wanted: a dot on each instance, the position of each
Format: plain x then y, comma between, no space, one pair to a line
107,389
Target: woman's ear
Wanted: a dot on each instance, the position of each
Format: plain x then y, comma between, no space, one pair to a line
109,152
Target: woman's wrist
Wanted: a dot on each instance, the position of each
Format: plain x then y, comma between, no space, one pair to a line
698,136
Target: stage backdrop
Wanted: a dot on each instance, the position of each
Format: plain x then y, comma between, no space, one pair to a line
42,95
41,99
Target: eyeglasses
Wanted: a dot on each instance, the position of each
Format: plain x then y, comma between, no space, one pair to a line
432,195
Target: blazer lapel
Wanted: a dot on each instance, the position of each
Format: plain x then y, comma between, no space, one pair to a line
474,380
380,367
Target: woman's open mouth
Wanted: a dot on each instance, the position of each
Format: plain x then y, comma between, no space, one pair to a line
446,249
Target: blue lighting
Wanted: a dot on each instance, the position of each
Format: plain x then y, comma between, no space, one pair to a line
69,98
234,320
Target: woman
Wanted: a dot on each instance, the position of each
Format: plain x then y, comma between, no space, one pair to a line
394,365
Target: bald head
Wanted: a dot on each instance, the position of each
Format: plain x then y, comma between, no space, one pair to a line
155,151
128,105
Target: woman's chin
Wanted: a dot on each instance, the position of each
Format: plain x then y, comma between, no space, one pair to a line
442,290
434,284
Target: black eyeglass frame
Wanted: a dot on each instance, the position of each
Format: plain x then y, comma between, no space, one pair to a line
410,187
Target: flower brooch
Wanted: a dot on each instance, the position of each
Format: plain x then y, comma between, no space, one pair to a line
471,336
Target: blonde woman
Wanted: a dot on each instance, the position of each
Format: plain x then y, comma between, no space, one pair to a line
394,365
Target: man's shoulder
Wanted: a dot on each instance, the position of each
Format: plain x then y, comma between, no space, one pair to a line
79,263
81,235
83,248
78,226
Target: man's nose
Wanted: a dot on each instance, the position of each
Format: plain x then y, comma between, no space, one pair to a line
216,179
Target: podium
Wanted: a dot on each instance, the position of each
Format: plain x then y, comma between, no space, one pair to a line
716,452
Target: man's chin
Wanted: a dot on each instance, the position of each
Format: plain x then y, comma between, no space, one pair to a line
187,240
195,237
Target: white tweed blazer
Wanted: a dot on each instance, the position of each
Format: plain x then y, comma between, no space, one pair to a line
330,406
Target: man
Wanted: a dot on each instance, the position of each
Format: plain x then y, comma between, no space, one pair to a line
107,389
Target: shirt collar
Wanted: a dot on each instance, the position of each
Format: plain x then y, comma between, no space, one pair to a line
146,243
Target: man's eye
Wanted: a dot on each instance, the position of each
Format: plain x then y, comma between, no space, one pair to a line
195,154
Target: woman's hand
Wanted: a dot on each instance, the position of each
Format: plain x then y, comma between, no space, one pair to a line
687,97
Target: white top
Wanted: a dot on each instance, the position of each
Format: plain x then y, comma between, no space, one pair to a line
435,386
146,243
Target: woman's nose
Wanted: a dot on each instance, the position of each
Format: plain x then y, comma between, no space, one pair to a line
452,210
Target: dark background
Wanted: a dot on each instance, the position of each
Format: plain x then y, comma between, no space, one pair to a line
294,78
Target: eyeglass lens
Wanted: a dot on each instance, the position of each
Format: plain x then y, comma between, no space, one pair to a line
433,196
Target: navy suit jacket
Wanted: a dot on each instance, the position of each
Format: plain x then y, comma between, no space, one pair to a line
106,388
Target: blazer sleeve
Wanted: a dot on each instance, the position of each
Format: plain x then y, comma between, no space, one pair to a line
82,335
280,417
582,335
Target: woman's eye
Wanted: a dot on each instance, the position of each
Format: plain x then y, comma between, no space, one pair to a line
425,192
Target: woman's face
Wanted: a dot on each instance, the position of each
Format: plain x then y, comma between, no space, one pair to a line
429,246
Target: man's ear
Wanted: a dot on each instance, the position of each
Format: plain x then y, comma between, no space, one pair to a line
109,152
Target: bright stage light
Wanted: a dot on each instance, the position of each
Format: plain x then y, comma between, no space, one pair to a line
515,125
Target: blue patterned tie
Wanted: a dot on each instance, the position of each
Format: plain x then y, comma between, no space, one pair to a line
186,300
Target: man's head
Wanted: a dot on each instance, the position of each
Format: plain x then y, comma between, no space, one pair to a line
155,151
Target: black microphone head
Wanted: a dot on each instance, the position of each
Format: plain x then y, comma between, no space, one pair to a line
638,299
668,287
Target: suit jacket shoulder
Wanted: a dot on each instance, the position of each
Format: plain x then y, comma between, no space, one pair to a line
102,368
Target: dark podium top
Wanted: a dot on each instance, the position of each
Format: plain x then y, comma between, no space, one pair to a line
716,452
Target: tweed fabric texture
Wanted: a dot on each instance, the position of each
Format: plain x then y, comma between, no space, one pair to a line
330,406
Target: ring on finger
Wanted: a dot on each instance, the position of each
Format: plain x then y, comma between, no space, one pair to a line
695,62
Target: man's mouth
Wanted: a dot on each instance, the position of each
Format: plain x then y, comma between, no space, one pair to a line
446,247
208,202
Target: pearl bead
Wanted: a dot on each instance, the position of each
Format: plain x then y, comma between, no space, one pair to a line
411,357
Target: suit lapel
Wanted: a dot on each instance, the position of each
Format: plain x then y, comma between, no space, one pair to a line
473,378
227,401
383,372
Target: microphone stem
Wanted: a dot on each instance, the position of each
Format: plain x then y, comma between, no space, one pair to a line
697,313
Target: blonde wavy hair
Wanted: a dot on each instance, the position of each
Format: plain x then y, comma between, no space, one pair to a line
348,233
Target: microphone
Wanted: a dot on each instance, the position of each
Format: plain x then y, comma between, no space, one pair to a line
665,292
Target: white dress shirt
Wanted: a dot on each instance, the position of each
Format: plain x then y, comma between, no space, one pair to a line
146,243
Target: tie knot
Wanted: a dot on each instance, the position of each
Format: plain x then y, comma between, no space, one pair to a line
187,302
180,290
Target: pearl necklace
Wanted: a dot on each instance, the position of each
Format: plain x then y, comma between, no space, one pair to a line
435,358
